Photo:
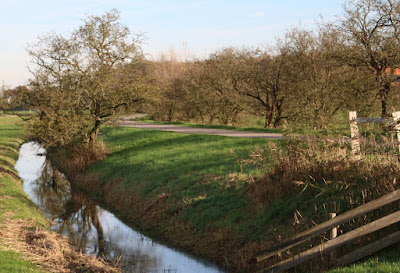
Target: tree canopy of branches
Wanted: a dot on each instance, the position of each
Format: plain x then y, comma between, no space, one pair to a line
12,98
371,38
82,79
310,77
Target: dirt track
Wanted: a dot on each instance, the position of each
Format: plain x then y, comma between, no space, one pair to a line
126,122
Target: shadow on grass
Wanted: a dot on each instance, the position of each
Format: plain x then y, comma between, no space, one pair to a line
194,170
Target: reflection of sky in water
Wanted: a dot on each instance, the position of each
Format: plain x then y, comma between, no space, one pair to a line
138,253
30,167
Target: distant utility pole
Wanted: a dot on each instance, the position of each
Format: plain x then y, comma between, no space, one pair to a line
184,50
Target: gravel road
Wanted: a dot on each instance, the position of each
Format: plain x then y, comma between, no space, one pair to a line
127,122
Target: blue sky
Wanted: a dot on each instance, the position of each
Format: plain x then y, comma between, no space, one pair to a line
203,25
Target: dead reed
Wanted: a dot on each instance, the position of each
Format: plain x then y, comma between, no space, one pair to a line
325,164
49,249
76,158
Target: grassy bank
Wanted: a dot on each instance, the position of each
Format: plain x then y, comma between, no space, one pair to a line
227,198
26,245
14,204
180,187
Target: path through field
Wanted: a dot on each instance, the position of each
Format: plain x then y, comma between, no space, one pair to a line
127,122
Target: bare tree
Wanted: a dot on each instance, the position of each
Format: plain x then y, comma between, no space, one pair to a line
87,71
371,32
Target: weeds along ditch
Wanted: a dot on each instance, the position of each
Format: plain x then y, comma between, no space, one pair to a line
325,178
26,244
226,199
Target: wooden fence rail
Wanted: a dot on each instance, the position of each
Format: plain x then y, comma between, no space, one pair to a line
336,241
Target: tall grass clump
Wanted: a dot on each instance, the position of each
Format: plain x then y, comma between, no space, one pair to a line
315,176
324,165
75,158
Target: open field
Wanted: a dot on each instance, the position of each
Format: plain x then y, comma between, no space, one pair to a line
195,192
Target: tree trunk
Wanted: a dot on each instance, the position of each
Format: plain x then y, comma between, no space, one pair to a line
384,90
100,234
269,114
268,120
382,95
278,113
94,132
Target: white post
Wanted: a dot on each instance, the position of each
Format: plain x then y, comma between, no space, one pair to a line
333,236
355,136
396,119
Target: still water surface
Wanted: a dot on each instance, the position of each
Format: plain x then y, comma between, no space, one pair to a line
93,229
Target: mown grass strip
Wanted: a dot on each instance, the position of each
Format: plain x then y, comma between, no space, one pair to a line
13,262
14,204
199,173
212,126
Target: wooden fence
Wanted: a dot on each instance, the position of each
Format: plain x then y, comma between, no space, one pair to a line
338,241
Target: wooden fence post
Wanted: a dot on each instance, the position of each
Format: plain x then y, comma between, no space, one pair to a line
355,136
333,236
335,243
396,120
325,226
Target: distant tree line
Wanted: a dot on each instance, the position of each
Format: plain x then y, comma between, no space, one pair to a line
307,78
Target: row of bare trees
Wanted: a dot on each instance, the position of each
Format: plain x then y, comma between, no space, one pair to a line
308,76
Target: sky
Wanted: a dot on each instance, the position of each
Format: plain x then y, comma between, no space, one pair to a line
191,28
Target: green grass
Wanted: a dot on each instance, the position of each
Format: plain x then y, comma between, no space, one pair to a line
198,172
225,127
21,113
206,188
386,261
14,204
17,205
13,262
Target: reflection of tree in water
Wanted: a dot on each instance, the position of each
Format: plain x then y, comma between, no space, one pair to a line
52,191
80,219
81,222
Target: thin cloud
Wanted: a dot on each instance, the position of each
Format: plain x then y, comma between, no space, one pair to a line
259,14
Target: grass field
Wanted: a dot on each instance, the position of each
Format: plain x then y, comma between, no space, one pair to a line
200,174
193,192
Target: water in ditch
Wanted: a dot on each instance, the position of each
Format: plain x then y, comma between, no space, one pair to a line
93,229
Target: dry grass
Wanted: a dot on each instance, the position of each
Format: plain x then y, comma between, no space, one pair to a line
325,164
322,171
51,250
77,158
